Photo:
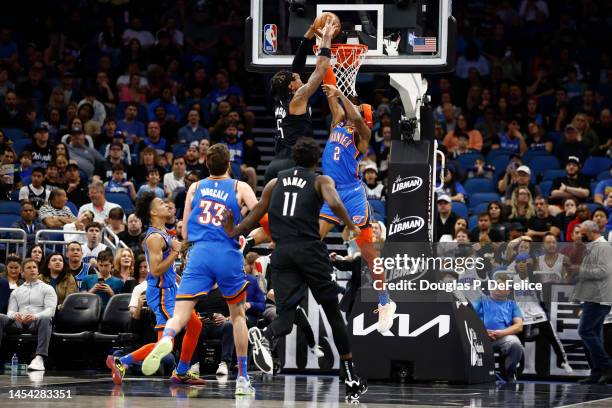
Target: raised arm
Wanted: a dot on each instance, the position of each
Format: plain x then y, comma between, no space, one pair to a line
336,109
299,61
353,115
253,217
300,99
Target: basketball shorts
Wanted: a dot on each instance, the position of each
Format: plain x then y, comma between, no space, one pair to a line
209,263
355,200
161,302
298,266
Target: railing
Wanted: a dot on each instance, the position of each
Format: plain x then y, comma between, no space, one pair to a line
8,238
111,240
42,238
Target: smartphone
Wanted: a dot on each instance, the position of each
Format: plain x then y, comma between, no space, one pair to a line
100,280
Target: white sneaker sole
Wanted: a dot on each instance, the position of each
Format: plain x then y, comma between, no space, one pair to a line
258,348
383,328
151,363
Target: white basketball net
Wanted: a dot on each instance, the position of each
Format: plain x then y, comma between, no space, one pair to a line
345,61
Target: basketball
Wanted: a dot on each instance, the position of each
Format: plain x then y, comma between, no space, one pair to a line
321,19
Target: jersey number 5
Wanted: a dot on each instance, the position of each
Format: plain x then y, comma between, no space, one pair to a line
213,217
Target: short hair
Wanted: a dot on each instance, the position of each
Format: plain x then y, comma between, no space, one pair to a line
501,276
73,243
550,234
462,230
599,209
27,261
218,159
54,193
143,206
117,167
97,185
279,84
38,170
116,213
484,214
105,256
590,226
175,158
93,224
27,202
306,152
152,170
251,257
541,198
13,258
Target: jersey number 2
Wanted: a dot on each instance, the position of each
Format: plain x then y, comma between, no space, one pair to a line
289,204
213,217
337,153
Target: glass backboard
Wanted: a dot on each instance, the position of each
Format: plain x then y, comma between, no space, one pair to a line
401,35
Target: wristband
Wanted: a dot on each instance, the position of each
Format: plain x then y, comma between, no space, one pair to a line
325,52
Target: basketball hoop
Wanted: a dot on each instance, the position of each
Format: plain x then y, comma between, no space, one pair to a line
345,61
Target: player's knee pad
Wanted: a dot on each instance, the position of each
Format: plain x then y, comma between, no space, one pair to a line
366,237
265,224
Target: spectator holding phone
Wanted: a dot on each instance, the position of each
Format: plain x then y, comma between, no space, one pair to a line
103,283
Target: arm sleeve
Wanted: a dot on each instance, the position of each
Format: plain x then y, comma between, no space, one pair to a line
50,302
299,61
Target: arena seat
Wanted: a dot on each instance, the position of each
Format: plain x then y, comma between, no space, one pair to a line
593,206
480,208
543,164
77,320
604,175
478,198
179,149
467,160
479,185
460,209
19,145
379,208
500,163
6,220
9,207
115,324
546,187
530,155
555,137
123,200
595,165
15,195
73,207
473,222
15,134
498,153
553,174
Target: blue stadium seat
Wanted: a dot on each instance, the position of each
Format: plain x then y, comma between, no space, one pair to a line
379,208
467,160
593,206
19,145
546,187
593,185
15,194
478,198
498,152
10,207
543,164
6,220
530,155
460,209
14,134
473,222
480,208
555,137
123,200
479,185
72,207
179,149
595,165
604,175
553,174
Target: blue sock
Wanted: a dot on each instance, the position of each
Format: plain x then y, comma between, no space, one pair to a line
182,367
168,332
242,366
127,360
383,297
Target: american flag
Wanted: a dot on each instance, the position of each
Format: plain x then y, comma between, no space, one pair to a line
422,44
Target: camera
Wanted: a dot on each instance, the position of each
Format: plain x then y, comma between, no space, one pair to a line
408,127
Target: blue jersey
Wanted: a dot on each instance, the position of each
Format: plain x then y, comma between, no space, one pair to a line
168,278
341,157
205,223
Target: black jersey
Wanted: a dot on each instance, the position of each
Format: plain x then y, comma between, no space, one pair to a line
294,207
290,127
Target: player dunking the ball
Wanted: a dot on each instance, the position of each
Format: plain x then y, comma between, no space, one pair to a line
161,250
300,259
214,257
348,141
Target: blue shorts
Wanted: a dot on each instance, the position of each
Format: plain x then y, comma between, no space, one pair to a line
161,301
355,200
209,263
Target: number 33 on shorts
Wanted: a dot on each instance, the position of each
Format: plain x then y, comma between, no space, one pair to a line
212,213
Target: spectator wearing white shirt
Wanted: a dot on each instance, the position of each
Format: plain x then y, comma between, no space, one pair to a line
98,206
530,8
145,37
79,224
31,309
35,192
176,178
93,246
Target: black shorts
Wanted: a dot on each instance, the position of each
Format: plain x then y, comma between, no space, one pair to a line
296,267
